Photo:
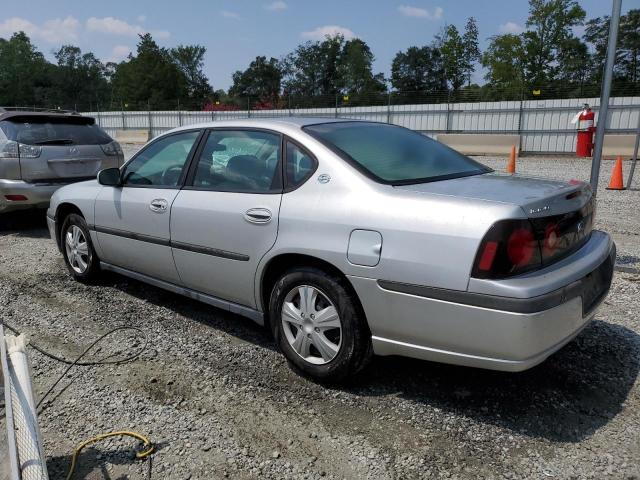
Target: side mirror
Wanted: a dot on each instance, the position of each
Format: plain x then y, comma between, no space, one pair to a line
110,177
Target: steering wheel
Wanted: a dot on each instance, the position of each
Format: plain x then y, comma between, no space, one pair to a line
171,175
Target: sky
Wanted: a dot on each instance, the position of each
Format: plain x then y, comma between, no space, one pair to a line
236,31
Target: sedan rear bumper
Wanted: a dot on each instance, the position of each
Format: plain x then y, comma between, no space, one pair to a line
510,334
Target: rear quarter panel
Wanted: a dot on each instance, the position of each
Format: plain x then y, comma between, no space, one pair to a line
427,239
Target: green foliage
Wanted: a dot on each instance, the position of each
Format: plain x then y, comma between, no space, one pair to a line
80,78
355,70
331,67
150,76
548,30
418,69
190,61
25,75
627,67
261,80
504,60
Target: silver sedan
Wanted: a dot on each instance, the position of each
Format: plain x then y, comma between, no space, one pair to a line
347,239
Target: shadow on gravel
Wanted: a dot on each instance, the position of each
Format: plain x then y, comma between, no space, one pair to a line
92,463
26,223
566,398
237,326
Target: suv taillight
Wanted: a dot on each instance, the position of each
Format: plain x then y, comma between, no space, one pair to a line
12,149
112,149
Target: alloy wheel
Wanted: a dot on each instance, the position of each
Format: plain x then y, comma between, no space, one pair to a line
77,249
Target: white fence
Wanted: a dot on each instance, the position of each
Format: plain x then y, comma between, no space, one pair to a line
544,125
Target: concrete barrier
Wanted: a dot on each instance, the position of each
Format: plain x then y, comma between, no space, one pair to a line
138,137
615,145
480,144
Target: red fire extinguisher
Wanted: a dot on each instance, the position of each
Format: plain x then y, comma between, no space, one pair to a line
586,128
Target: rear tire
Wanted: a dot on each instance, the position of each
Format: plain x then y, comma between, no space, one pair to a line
79,255
322,333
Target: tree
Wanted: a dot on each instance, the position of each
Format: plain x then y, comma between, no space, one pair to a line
190,61
151,76
548,28
260,81
453,54
80,78
418,69
573,60
627,62
471,48
355,70
311,70
25,75
504,61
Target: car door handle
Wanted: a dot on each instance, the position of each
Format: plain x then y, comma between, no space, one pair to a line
158,205
258,215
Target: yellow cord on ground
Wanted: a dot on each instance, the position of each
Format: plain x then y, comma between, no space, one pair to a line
124,433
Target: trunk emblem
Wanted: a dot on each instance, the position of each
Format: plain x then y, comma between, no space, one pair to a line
73,151
540,209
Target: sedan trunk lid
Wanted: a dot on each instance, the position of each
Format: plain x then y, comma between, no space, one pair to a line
538,197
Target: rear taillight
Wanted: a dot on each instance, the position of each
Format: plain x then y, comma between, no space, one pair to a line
112,149
13,149
510,247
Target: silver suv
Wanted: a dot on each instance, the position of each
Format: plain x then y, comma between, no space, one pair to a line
41,151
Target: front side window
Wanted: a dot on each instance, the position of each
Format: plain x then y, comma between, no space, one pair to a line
239,161
161,163
394,155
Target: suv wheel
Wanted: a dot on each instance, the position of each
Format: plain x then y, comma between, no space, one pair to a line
79,255
317,325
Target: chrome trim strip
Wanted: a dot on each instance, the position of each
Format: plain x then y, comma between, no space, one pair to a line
131,235
210,251
169,243
243,310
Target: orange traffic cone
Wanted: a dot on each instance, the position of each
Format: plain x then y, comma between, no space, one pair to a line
511,166
616,182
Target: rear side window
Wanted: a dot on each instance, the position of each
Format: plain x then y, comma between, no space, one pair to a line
300,165
47,131
394,155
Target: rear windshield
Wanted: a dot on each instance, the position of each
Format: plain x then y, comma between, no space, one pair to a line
394,155
47,131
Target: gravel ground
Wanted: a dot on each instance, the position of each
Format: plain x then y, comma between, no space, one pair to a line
219,401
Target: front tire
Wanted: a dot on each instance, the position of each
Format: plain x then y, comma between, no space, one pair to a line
318,326
79,254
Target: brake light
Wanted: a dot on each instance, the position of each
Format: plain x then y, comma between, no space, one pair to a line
510,247
112,149
521,247
488,255
550,240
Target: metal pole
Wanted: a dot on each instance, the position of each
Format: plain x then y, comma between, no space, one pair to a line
634,159
604,94
389,108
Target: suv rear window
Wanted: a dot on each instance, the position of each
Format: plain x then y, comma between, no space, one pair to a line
394,155
48,131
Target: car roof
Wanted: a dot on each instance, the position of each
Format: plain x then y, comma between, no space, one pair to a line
268,122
